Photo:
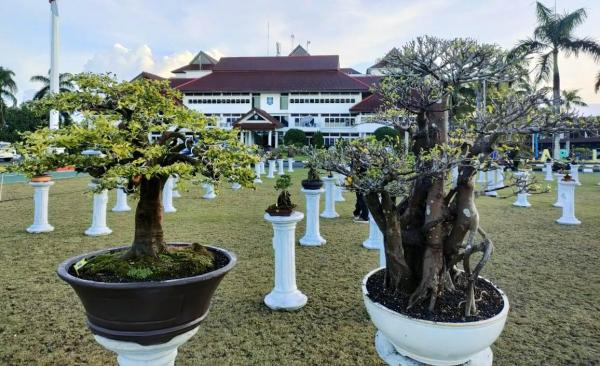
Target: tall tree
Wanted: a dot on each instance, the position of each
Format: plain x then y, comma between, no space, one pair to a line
571,98
554,34
65,84
8,88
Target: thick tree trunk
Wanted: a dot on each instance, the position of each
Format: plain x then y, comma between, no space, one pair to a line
148,240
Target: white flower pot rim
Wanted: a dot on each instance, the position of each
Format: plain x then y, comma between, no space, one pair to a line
496,318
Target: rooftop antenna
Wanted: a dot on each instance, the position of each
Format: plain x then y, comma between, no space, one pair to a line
293,37
277,49
307,44
268,40
54,58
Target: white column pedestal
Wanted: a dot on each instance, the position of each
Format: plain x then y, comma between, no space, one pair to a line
312,235
121,204
339,197
98,227
558,202
176,193
522,200
575,173
167,196
257,172
500,177
235,186
271,174
522,194
375,239
133,354
329,212
548,172
280,170
568,203
491,183
481,179
262,167
209,191
290,165
285,295
40,208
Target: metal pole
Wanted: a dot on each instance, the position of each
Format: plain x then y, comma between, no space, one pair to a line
54,59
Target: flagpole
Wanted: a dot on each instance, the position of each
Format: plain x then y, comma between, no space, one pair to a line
54,59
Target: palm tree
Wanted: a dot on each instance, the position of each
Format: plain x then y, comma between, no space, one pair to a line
570,98
8,88
597,85
554,34
65,84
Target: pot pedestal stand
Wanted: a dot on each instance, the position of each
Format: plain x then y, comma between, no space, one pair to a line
500,177
481,178
375,239
209,191
262,167
167,196
176,193
522,194
568,203
329,212
40,208
339,197
271,174
491,183
257,172
548,171
98,227
312,236
290,165
285,295
558,202
280,170
133,354
575,173
121,204
388,353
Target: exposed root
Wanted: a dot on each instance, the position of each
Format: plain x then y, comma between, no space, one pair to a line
486,247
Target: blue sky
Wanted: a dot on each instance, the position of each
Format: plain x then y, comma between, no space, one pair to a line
127,36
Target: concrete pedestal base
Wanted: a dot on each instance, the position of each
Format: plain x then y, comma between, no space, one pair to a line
388,353
491,183
548,172
339,197
558,202
257,173
375,239
121,204
329,212
98,227
285,295
40,208
133,354
262,167
575,173
481,178
167,196
568,203
271,174
522,200
312,237
280,170
176,193
290,165
209,191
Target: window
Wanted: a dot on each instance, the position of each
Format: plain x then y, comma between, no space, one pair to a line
283,101
256,101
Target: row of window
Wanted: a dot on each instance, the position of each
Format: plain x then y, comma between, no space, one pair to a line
324,93
219,101
215,94
323,100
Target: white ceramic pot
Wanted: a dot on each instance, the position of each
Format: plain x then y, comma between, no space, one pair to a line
435,343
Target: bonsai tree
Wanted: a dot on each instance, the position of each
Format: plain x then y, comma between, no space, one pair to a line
39,155
284,205
140,130
428,227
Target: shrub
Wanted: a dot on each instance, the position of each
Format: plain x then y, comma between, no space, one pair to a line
295,137
385,131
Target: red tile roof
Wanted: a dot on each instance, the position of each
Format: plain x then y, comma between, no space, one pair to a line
269,123
275,63
371,80
282,81
370,104
177,82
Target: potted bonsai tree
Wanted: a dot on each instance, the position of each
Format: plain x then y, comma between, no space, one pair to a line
423,304
313,179
150,292
284,205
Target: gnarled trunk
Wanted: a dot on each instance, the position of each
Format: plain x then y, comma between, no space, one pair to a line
148,240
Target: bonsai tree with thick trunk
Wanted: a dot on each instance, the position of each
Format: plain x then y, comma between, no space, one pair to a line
428,226
138,131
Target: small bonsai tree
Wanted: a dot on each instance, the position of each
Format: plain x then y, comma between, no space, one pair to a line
284,205
140,130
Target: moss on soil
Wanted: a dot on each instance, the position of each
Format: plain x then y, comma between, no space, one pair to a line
177,262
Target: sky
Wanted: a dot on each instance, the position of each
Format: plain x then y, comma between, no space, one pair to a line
129,36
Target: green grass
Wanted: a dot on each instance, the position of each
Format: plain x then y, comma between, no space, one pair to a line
550,273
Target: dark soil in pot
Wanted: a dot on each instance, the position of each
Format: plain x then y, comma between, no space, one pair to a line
449,308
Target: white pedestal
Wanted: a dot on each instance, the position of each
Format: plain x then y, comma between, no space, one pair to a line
167,196
176,193
500,177
209,191
491,183
339,197
575,173
568,203
285,295
98,227
257,173
235,186
522,194
121,204
262,167
388,353
481,178
548,172
312,236
454,173
133,354
290,165
558,202
280,170
375,239
522,200
271,174
40,208
329,212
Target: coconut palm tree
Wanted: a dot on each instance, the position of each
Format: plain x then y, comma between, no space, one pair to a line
8,88
570,99
555,33
65,84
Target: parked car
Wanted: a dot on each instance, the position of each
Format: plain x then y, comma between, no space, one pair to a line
7,152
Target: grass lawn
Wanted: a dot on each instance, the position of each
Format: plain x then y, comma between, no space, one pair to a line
550,272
